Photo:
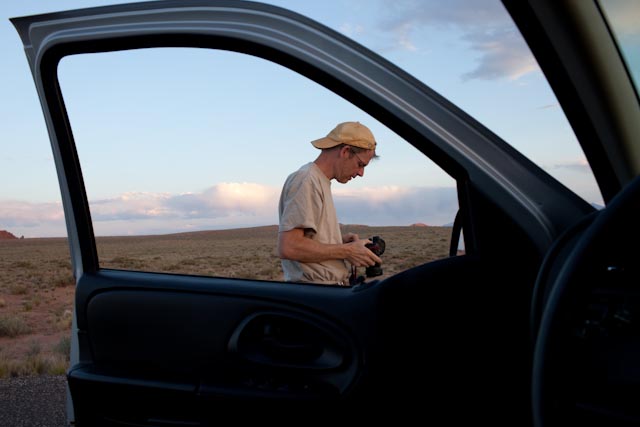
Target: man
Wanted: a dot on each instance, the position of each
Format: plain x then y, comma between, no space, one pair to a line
310,243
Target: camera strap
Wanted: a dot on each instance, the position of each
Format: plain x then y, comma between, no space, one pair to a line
354,279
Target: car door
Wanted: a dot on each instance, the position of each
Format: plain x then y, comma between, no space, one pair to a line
448,338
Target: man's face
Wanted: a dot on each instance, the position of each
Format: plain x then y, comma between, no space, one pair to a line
353,164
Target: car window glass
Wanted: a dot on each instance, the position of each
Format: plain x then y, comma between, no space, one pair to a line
623,16
472,53
184,153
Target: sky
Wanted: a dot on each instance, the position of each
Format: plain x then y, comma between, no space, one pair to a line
150,126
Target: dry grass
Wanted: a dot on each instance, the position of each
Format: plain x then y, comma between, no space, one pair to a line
36,285
36,290
251,252
13,326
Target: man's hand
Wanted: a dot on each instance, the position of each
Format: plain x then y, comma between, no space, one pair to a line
360,255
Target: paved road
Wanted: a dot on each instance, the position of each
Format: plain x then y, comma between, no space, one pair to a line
33,401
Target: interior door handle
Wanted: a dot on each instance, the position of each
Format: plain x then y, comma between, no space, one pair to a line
284,340
288,349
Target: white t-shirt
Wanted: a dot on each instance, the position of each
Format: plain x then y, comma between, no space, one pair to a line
306,202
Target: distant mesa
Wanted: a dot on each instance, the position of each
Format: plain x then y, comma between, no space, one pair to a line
5,235
419,224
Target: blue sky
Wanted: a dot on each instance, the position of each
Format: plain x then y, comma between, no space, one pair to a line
467,50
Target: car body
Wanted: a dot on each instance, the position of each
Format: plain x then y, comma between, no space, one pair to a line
160,349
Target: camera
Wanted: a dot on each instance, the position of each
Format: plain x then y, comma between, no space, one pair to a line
376,246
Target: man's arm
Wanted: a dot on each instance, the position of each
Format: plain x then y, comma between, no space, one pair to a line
293,245
349,237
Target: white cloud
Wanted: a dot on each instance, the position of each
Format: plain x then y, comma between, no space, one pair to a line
221,200
504,54
485,26
580,165
351,30
134,205
397,205
457,13
32,219
229,205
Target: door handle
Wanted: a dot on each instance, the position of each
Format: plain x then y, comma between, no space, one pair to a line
284,340
293,349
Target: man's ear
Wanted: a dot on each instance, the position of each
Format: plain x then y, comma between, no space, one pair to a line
345,151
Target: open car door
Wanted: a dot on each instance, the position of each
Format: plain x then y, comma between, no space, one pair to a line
446,339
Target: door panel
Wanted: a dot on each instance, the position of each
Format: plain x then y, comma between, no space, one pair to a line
207,345
177,334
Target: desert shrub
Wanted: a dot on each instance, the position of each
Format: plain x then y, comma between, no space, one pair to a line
36,300
170,267
58,367
62,264
34,349
6,366
125,262
23,265
63,347
18,289
62,281
36,364
13,326
62,318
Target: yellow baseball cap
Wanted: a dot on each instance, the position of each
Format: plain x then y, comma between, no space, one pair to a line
350,133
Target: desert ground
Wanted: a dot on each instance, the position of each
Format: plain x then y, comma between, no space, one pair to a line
37,286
